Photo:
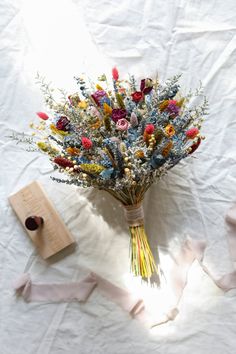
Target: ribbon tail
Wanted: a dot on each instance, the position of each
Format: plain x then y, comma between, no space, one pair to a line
22,286
133,305
74,291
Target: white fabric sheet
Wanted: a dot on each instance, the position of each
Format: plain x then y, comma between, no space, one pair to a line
61,39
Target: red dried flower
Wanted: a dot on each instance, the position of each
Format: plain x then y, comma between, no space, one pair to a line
62,123
61,161
137,96
42,115
115,74
172,102
149,129
195,146
146,86
87,143
192,133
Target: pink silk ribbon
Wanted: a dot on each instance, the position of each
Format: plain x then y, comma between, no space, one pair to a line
77,291
191,250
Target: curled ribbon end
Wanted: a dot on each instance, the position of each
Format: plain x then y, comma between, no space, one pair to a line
137,308
21,281
172,314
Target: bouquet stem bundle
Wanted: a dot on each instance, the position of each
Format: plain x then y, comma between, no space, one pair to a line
142,260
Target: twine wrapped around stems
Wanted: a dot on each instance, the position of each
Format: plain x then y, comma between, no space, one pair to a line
134,214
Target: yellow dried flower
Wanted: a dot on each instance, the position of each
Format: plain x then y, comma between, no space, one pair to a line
93,168
49,149
42,146
107,109
107,122
122,147
57,131
180,102
98,87
120,101
170,130
158,136
83,104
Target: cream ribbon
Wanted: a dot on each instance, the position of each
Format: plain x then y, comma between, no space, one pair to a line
134,214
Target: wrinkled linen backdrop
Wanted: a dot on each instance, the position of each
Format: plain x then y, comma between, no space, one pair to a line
60,39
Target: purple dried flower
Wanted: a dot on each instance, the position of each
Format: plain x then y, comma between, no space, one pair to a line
118,113
173,109
98,95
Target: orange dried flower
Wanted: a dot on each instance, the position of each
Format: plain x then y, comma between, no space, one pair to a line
163,105
139,154
167,148
146,136
96,125
72,151
170,130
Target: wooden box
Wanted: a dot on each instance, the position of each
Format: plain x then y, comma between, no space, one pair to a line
53,235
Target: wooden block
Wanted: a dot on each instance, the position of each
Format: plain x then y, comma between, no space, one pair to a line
53,235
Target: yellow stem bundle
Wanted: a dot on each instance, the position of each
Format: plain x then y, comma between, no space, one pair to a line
142,260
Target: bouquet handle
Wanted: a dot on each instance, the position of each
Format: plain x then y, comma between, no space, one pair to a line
142,260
